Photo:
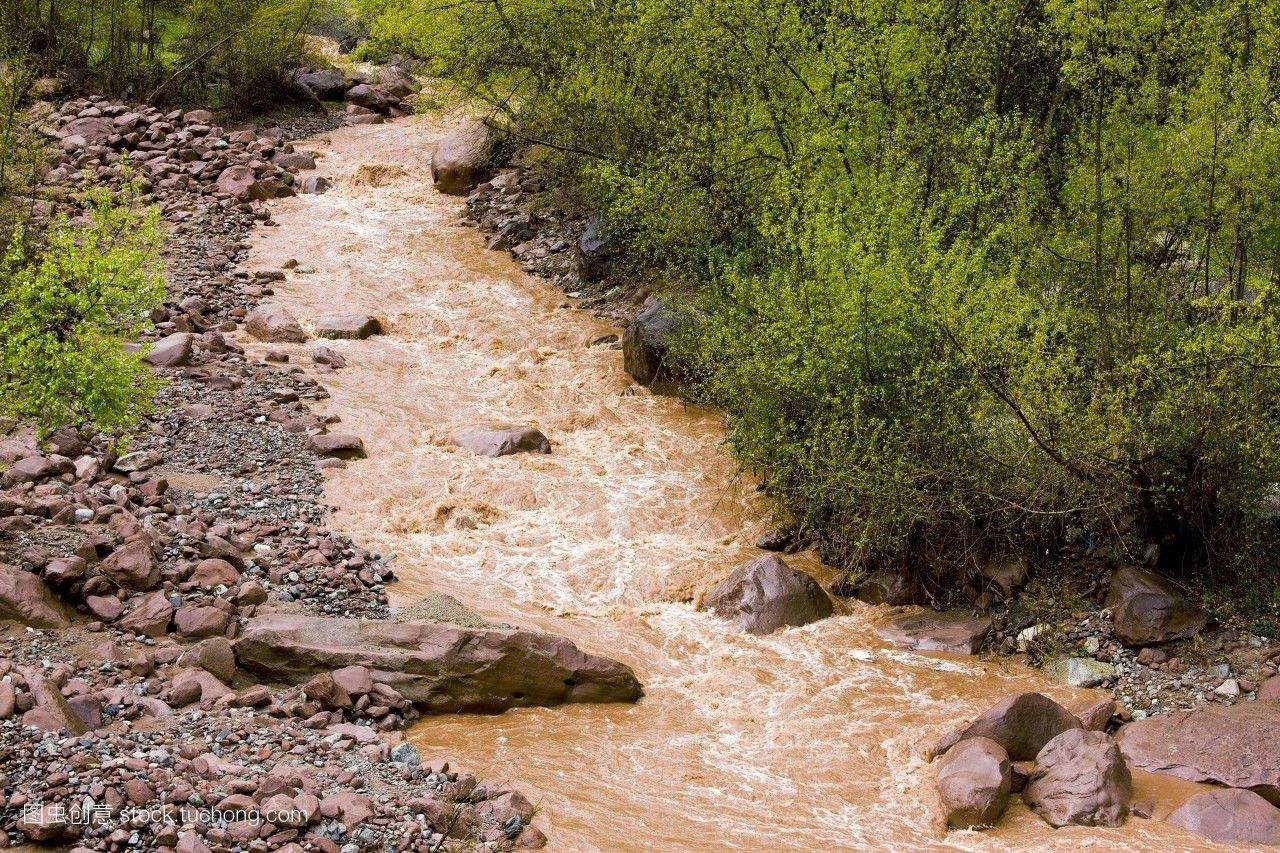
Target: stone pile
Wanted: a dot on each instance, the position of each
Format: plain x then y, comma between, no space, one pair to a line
1080,774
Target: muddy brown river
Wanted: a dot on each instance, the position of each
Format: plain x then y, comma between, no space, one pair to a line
808,739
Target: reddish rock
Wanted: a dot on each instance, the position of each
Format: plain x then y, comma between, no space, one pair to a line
104,607
25,599
442,668
170,351
337,444
1231,745
356,680
50,712
461,158
274,325
214,572
196,685
974,781
132,566
149,615
1270,690
501,442
65,570
348,326
351,808
214,655
326,691
937,632
88,709
1022,724
192,621
1148,609
1080,779
44,823
1096,716
766,594
33,469
1230,815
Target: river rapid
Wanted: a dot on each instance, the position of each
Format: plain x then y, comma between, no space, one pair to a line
809,739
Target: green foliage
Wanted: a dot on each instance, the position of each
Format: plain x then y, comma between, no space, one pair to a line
68,304
237,51
963,271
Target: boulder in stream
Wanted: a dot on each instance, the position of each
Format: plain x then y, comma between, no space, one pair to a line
490,442
441,668
348,326
1230,815
1236,745
1022,724
766,594
1080,779
974,781
644,343
461,158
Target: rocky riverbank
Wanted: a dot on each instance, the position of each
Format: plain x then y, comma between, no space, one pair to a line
1192,698
156,599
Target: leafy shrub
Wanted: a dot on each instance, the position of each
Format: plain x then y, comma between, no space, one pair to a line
68,304
966,272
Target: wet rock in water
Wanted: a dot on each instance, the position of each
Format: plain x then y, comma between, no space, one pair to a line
25,599
889,587
440,668
1230,815
1148,609
1022,724
644,343
1079,672
316,184
461,159
1080,779
501,442
1232,745
766,594
974,781
337,444
332,358
273,324
774,540
348,326
937,632
170,351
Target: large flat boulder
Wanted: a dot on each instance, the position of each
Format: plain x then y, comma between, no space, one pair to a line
1230,815
461,158
1237,746
25,599
766,594
1148,609
440,668
937,632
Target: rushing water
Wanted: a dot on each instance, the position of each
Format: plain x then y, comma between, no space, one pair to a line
809,739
